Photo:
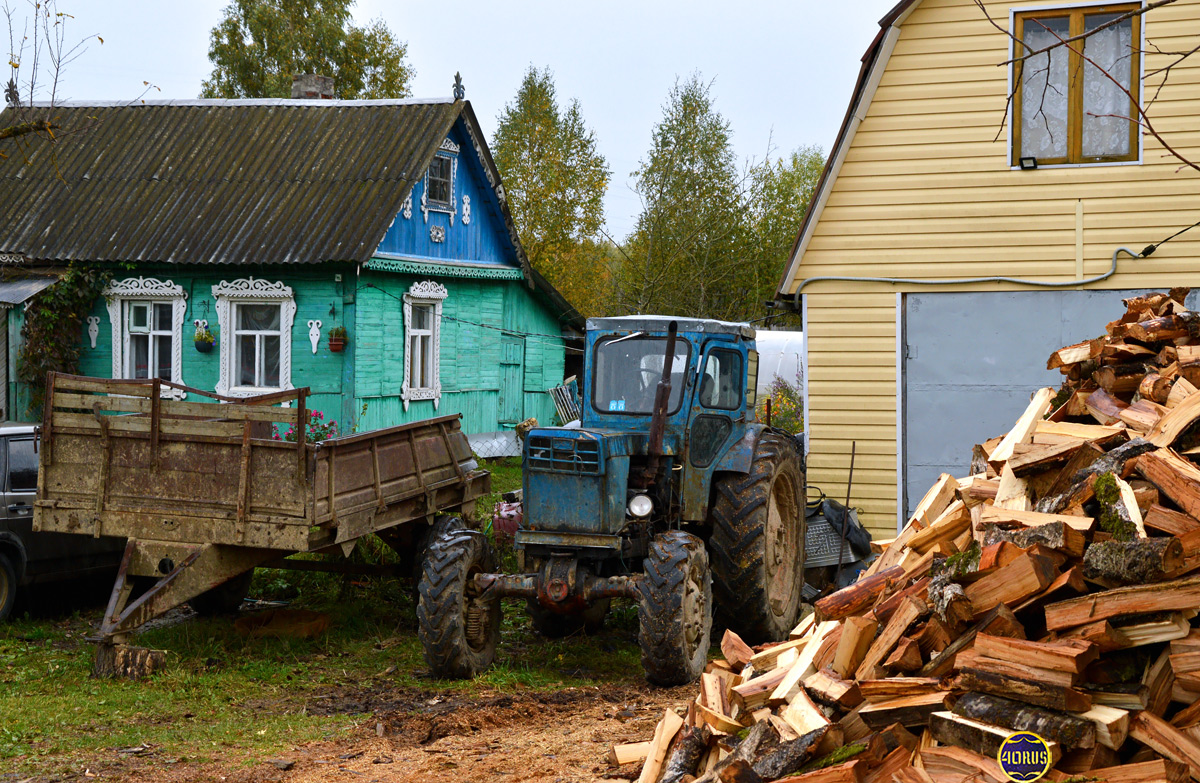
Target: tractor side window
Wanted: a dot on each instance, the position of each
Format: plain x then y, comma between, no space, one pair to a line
627,371
721,382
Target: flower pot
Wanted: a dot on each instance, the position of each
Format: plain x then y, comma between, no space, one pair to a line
336,344
203,346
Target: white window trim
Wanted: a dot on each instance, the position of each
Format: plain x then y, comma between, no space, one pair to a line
432,294
146,289
251,290
1141,75
448,150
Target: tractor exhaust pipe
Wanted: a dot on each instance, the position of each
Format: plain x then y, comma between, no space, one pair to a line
662,402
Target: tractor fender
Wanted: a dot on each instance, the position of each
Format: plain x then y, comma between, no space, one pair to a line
739,456
11,544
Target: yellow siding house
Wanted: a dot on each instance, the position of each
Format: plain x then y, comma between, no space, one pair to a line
936,177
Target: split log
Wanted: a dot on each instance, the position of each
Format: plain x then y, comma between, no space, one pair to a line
1076,762
935,501
1155,733
788,757
951,728
736,651
1039,458
888,688
1104,407
1173,523
803,715
1059,494
1141,561
895,761
666,730
1157,771
1068,730
1013,492
1011,584
1139,599
1111,724
909,611
806,662
1120,380
755,693
1056,697
998,622
971,659
1143,415
827,688
956,764
1155,388
907,710
949,601
1066,655
768,659
852,771
857,635
687,749
1177,478
1071,354
1180,391
886,607
857,598
1022,431
1056,535
628,753
1032,519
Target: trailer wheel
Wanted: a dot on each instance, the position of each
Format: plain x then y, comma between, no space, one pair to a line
457,627
675,610
225,598
556,626
8,585
757,543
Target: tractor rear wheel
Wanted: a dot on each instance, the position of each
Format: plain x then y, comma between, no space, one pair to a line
675,610
757,543
457,626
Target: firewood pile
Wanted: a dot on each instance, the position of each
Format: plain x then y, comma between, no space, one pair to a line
1052,590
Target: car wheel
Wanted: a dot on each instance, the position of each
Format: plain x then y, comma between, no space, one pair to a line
8,585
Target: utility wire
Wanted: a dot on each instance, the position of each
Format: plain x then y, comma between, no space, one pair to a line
1151,248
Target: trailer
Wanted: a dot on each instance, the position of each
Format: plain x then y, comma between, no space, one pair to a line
205,492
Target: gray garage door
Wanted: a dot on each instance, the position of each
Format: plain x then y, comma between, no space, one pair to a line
973,359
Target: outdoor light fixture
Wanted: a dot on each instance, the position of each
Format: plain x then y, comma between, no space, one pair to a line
640,506
1028,164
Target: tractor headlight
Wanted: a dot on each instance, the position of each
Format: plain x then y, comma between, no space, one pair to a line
640,506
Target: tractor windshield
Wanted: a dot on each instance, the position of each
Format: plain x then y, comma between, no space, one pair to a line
627,370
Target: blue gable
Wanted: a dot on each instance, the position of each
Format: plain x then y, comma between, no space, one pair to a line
469,230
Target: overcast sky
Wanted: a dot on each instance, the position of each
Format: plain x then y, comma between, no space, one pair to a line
782,71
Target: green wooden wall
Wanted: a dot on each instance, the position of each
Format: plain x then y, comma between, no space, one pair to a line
475,315
361,386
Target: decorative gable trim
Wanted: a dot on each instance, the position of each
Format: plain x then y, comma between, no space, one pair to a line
444,269
142,289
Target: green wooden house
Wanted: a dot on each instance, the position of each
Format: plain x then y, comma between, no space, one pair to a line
270,223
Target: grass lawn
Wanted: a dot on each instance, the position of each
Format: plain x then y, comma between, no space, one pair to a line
228,695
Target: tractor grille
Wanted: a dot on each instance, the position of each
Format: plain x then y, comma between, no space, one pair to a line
564,455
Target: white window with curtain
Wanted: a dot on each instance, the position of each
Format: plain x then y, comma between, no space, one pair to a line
255,319
422,342
146,315
1077,103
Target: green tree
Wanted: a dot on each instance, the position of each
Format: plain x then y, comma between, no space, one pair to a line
260,44
780,192
684,255
555,180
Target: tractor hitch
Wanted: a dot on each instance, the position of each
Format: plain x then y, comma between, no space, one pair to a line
559,586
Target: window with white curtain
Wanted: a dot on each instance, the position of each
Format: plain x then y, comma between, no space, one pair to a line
1077,103
146,315
255,319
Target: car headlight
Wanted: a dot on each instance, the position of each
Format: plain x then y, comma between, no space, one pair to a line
640,506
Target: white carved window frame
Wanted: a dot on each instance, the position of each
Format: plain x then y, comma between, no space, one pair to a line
448,151
153,291
430,294
250,290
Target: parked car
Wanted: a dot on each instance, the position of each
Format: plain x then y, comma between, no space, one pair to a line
26,557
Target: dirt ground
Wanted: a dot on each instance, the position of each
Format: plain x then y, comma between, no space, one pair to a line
423,737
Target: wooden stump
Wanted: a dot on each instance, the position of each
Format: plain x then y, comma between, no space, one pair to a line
124,661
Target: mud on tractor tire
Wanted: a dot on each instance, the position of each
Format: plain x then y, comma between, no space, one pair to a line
458,629
757,543
675,610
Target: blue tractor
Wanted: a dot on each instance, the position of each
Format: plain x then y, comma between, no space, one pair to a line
669,492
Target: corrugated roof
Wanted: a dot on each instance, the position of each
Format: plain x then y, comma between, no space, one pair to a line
218,182
15,292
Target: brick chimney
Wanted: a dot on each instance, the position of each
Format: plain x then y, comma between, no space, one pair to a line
312,86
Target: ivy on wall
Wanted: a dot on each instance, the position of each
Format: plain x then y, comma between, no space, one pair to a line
51,334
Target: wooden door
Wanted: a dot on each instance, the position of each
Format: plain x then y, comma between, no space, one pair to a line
512,379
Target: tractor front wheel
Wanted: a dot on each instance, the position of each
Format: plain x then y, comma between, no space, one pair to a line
757,543
458,627
675,610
